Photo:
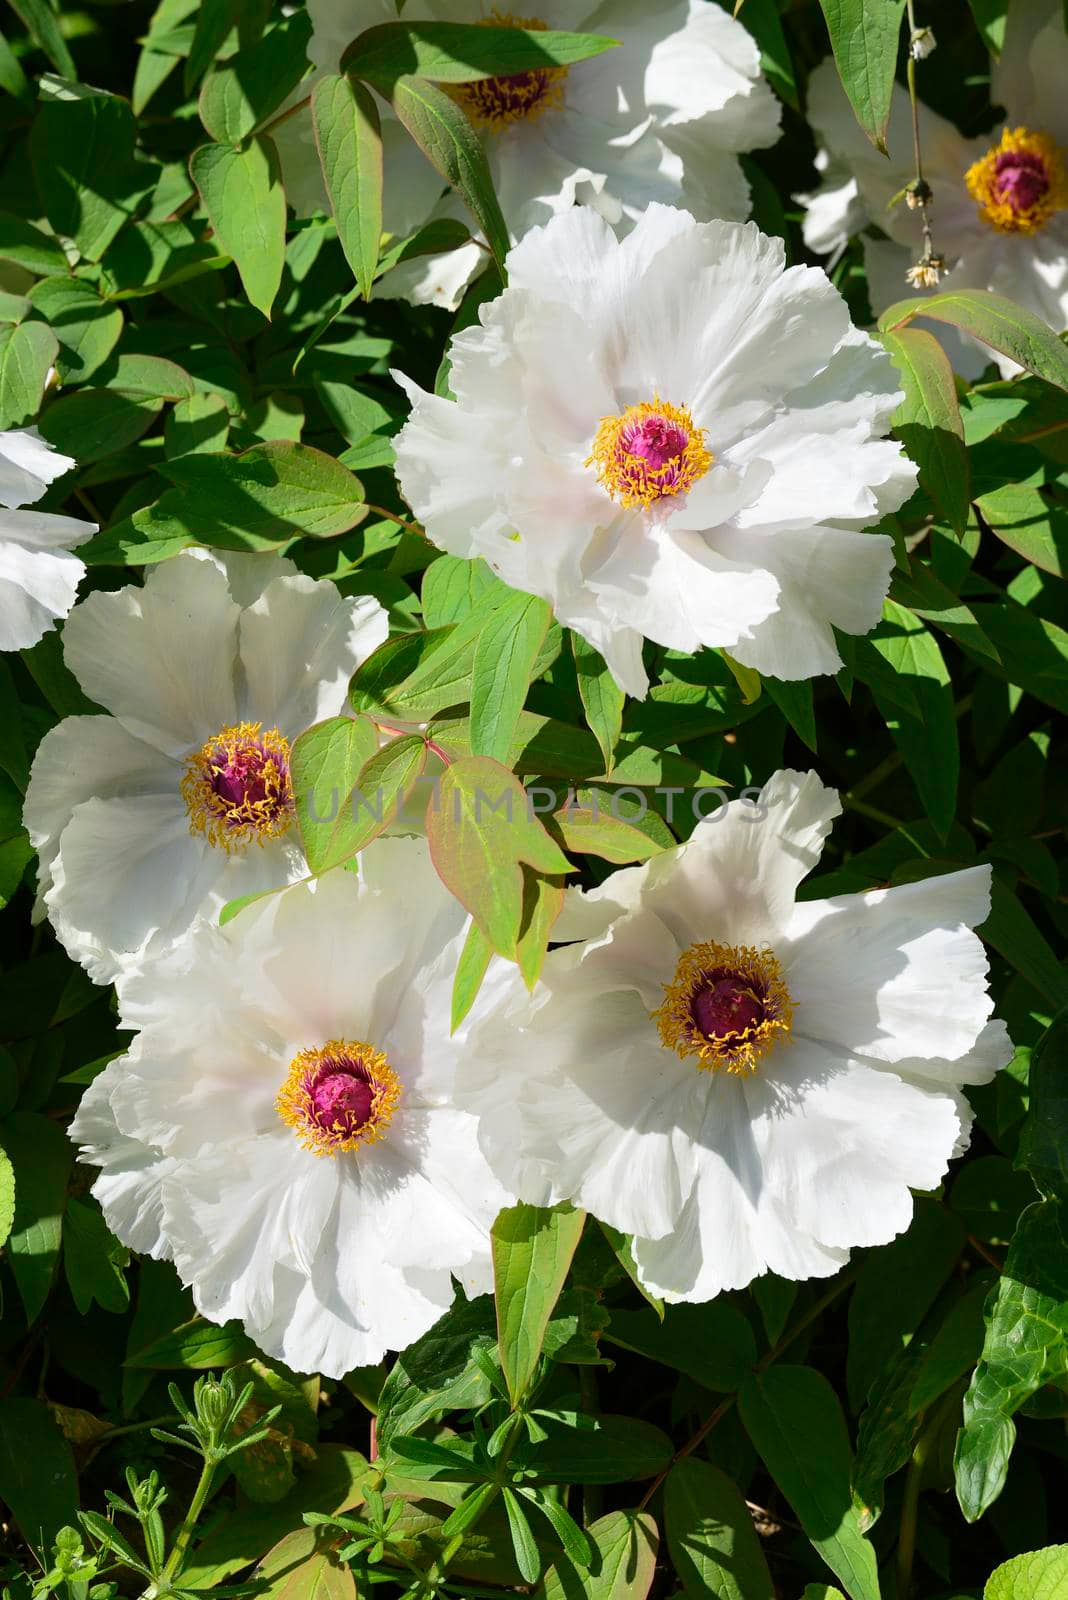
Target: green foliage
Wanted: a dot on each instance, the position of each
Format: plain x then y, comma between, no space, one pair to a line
218,366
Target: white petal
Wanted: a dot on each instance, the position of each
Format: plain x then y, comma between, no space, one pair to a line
130,651
80,758
28,464
37,588
735,878
129,1186
300,643
128,874
41,530
827,577
895,973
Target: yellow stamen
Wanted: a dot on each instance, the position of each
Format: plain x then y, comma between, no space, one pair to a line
1016,209
634,478
755,982
304,1102
236,787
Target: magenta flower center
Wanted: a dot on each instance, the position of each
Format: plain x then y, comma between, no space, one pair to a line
339,1096
237,786
1021,179
726,1004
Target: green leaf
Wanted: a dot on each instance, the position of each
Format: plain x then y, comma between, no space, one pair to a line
480,831
453,148
236,98
928,420
622,1568
1029,523
26,353
795,1421
450,52
301,1567
197,425
921,591
324,766
895,1287
82,150
505,653
42,24
1013,934
864,37
7,1196
1026,1345
1044,1145
471,968
1040,1575
331,1483
578,1448
954,1349
148,378
243,195
602,698
532,1249
439,1372
215,19
713,1343
928,742
37,1477
255,500
28,247
452,588
527,1557
348,135
42,1157
990,17
93,1259
584,831
711,1536
794,700
87,327
91,424
195,1347
994,321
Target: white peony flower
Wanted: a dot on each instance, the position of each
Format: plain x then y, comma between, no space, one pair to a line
999,212
180,800
745,1083
662,117
281,1127
669,437
39,577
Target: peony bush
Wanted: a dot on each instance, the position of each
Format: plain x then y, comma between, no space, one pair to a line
533,1013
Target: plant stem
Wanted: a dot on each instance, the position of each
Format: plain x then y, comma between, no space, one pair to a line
921,189
173,1565
402,522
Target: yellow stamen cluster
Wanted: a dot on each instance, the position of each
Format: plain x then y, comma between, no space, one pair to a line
236,787
1013,211
496,103
301,1106
753,973
632,479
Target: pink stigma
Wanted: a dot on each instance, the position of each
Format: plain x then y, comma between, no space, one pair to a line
656,440
1021,179
342,1096
725,1004
240,776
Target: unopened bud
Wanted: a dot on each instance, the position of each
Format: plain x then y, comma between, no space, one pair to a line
918,193
921,43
